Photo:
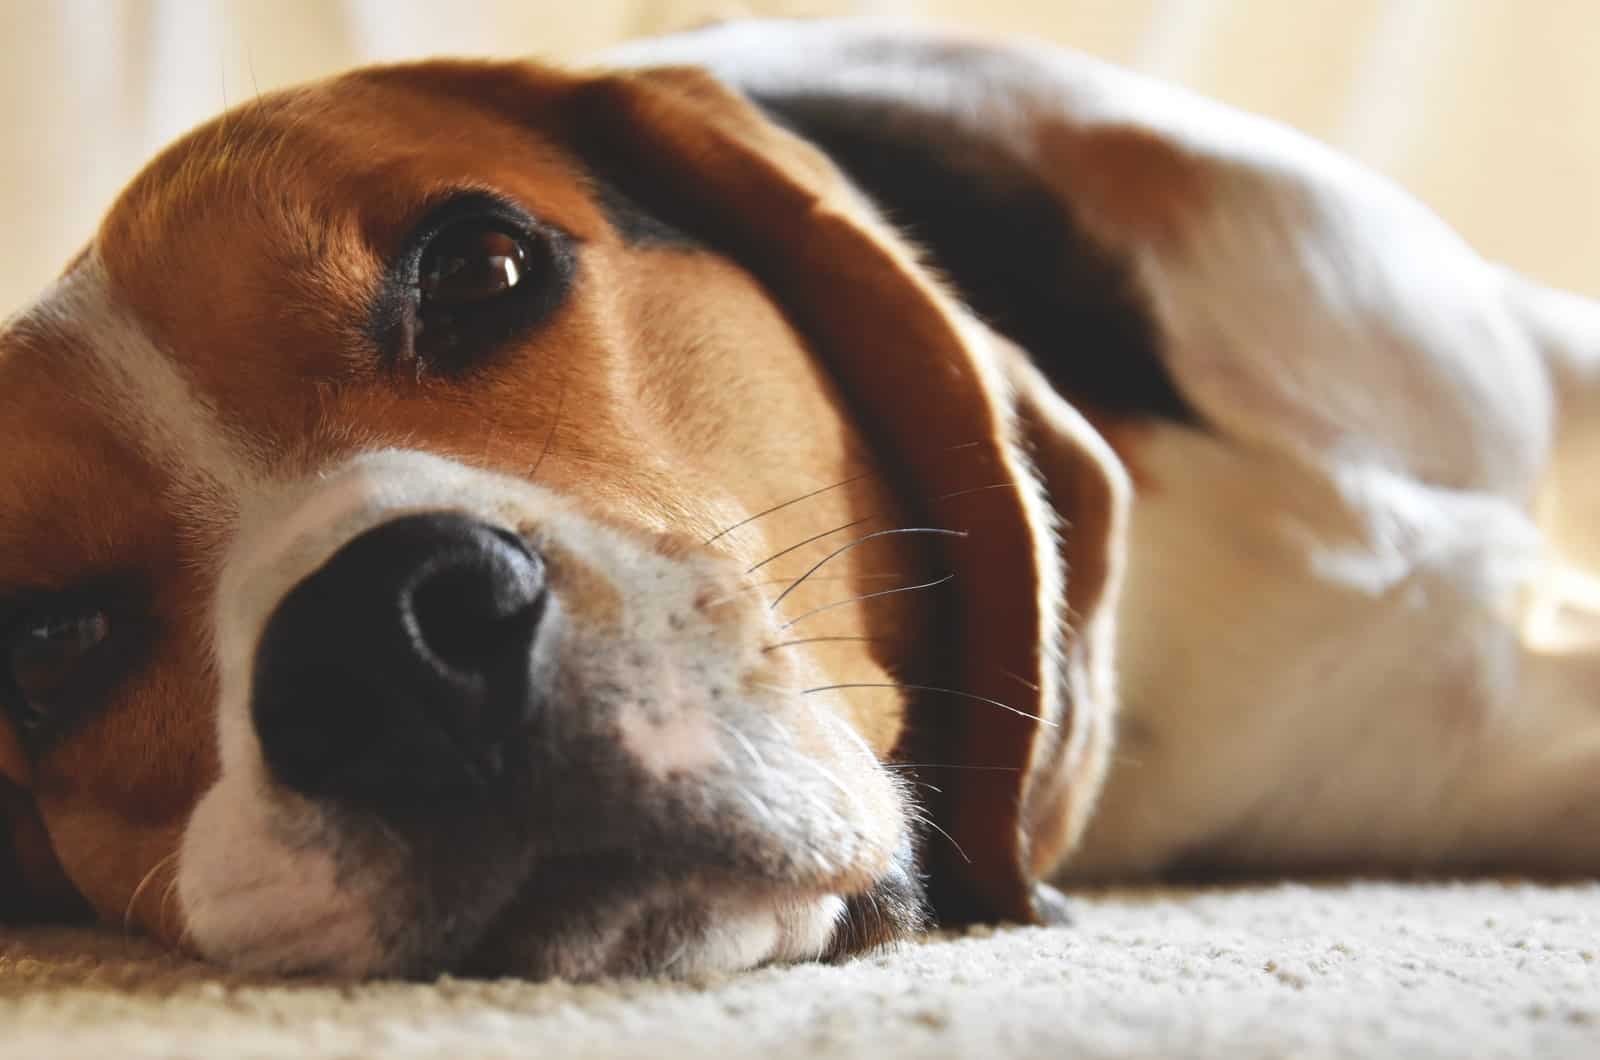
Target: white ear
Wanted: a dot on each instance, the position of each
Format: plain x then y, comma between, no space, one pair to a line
1565,330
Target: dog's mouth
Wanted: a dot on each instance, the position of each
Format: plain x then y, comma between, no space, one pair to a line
620,915
625,875
455,746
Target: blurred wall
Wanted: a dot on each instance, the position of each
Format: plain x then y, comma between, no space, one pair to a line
1487,109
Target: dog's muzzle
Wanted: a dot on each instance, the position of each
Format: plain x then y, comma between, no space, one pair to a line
397,674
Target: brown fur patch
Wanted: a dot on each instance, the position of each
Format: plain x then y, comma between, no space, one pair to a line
586,594
1127,182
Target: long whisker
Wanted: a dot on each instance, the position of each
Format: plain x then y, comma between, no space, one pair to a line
807,541
780,507
127,914
973,489
845,482
924,819
744,590
814,640
868,518
842,549
932,688
863,597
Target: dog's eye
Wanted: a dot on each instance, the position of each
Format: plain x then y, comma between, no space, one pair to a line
44,654
467,264
479,273
467,269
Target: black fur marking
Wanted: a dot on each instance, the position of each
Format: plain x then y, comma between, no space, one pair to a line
1005,241
637,226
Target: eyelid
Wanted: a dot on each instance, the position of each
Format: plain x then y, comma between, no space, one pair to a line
461,206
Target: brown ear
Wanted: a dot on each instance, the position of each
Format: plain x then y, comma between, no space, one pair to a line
929,383
33,886
1091,493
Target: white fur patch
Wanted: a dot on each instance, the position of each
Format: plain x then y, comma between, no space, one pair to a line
144,390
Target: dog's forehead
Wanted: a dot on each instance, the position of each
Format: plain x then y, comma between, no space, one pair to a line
362,151
365,149
251,252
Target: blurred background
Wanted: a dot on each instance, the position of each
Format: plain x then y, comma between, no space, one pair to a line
1489,110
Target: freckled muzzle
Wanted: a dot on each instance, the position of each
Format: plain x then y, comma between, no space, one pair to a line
399,673
464,727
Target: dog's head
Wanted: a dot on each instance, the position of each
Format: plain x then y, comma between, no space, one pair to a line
467,516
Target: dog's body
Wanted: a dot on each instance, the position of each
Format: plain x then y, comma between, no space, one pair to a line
1222,510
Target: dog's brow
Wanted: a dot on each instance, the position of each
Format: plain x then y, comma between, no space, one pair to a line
145,391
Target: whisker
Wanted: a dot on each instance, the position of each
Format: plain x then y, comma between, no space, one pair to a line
780,507
745,590
867,519
744,742
932,688
948,765
863,597
809,540
127,915
550,436
929,822
1019,679
491,431
167,898
827,775
974,489
882,927
814,640
842,549
845,482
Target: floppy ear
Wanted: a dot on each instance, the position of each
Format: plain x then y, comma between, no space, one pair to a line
1091,493
33,886
929,384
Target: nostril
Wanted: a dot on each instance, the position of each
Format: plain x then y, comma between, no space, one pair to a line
403,665
470,611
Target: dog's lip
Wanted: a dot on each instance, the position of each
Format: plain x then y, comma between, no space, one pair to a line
688,864
556,931
570,900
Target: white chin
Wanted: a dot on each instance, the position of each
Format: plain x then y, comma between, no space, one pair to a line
799,930
256,903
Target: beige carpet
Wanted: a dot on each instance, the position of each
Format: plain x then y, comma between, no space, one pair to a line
1348,970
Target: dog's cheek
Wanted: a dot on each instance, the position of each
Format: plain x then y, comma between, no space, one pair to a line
33,885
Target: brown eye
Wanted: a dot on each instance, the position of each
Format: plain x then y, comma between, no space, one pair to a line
477,274
43,655
469,263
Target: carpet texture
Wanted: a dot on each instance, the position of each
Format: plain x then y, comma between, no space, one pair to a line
1346,970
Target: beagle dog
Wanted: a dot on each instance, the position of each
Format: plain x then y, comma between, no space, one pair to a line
785,483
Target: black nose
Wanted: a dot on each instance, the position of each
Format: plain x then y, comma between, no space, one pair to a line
396,674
